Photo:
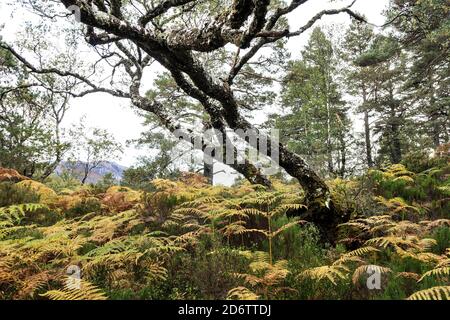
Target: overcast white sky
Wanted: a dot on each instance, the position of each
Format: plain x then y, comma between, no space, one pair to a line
115,115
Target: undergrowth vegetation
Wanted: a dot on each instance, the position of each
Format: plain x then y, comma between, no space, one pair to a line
185,239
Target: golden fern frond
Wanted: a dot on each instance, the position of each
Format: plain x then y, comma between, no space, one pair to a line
253,212
233,213
438,223
383,227
250,279
287,226
428,257
200,202
396,204
365,268
443,262
434,293
354,225
427,243
282,209
234,228
34,283
361,251
6,271
258,266
332,273
436,272
87,291
189,211
155,272
396,242
346,259
263,232
274,276
408,275
404,227
241,293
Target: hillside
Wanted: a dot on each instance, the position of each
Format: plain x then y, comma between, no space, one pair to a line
97,173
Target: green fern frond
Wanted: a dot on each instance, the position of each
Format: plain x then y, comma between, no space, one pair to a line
15,213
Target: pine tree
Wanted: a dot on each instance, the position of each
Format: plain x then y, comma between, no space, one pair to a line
317,123
357,41
423,28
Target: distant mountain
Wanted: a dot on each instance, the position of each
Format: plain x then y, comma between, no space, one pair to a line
96,174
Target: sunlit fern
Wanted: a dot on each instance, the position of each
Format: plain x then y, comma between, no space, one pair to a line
397,206
434,293
340,268
86,291
241,293
440,271
270,206
266,278
331,273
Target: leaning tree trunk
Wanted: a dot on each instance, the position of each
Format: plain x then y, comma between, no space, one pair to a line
322,209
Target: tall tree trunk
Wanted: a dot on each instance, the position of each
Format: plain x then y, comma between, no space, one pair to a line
343,155
433,114
396,151
395,122
367,130
329,146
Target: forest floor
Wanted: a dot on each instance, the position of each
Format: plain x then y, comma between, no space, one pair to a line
185,239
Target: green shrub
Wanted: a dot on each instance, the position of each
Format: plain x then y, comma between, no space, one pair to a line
63,182
84,206
442,237
206,272
11,194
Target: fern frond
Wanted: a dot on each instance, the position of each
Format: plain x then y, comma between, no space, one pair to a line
282,209
408,275
436,272
361,251
332,273
87,291
434,293
34,283
15,213
287,226
254,212
241,293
